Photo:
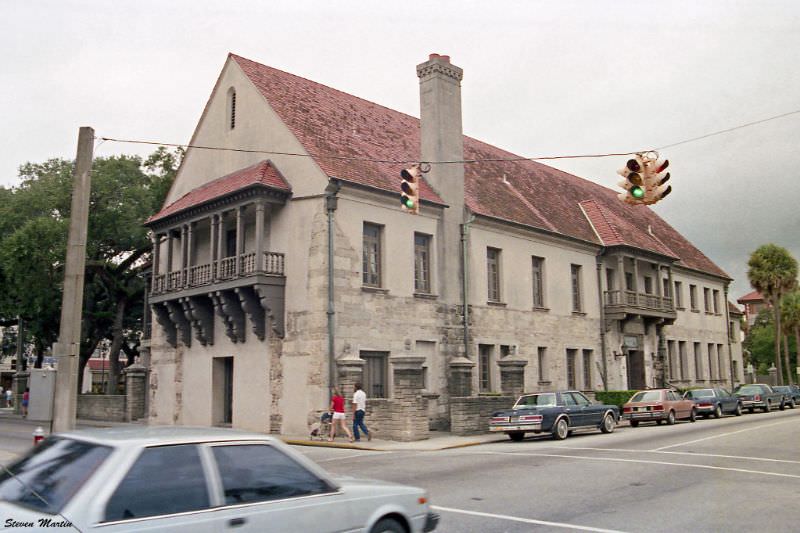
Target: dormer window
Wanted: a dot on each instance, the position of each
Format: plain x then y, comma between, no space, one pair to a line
231,108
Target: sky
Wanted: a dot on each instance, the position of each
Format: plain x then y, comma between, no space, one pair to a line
540,79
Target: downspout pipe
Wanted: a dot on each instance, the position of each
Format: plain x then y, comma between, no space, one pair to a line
603,357
465,281
331,204
729,332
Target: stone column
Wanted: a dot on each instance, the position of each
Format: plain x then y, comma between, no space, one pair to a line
212,246
135,390
350,370
512,376
156,240
259,236
190,244
460,383
773,376
409,408
239,239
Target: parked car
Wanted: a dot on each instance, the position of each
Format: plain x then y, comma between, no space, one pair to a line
558,413
760,396
196,480
659,405
791,393
714,402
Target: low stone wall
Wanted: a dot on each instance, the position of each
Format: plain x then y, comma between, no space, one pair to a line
469,415
101,407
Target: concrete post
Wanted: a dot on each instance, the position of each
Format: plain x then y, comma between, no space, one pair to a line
135,390
460,382
512,376
409,408
350,371
773,375
67,349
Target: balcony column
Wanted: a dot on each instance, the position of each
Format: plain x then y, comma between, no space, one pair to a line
672,288
190,245
184,248
212,246
239,239
636,280
659,282
621,279
170,236
155,238
220,242
259,236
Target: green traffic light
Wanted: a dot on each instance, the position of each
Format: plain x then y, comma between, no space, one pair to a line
637,192
409,203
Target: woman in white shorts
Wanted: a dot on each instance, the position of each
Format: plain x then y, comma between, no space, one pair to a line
337,408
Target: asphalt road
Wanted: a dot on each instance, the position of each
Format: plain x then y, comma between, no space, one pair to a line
733,474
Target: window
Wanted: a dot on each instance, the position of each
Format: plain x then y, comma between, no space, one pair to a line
485,367
587,369
422,263
576,288
629,281
163,480
665,287
712,372
735,371
372,255
648,285
493,273
505,351
375,374
720,362
610,277
693,297
571,355
698,362
679,295
259,472
683,363
541,353
673,363
707,299
538,281
716,301
231,108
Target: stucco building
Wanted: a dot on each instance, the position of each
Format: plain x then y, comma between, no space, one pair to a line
283,263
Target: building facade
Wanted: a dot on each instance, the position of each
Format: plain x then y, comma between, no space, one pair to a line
283,265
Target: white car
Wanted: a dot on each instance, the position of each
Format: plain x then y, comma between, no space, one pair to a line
194,479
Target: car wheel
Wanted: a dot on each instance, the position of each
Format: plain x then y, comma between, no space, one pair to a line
738,411
791,403
516,436
388,525
608,424
717,411
751,410
634,423
671,418
561,429
693,415
783,405
768,407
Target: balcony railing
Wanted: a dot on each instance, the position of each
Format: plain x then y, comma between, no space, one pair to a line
639,300
272,264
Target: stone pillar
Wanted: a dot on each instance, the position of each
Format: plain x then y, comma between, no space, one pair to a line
773,375
350,370
409,408
460,382
212,246
512,376
19,385
135,390
239,239
259,236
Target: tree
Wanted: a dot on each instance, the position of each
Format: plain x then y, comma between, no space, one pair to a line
34,219
772,271
790,311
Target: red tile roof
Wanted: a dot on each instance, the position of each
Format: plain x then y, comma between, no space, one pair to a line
753,296
733,310
331,124
263,173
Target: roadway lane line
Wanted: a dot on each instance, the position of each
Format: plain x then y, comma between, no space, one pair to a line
524,520
690,454
722,435
643,461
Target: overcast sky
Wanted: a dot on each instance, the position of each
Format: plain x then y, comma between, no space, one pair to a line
540,79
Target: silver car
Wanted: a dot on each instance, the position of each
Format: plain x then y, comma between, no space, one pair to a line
197,480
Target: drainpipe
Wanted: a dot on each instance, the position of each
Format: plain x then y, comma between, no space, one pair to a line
331,201
602,319
465,281
728,331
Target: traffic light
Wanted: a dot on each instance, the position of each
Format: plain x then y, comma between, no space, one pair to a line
655,179
409,189
634,183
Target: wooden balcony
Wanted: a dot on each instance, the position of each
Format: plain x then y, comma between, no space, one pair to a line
619,304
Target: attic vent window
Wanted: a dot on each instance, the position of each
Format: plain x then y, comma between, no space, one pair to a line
232,108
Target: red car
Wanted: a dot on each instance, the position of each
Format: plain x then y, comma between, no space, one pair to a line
660,405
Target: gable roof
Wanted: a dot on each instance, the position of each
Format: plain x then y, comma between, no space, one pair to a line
262,173
331,124
733,310
752,296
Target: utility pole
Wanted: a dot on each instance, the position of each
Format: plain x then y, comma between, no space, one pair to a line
67,349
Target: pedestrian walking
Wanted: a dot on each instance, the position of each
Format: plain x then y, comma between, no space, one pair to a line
337,407
26,397
9,398
359,410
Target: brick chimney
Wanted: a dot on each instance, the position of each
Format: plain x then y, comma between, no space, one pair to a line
442,139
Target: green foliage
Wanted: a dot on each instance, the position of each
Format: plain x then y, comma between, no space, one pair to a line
772,270
614,397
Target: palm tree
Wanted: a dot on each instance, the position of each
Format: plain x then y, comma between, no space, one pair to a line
772,271
790,311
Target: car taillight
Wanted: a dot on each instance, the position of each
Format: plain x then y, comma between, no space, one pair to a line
627,409
658,408
530,418
757,397
499,419
704,404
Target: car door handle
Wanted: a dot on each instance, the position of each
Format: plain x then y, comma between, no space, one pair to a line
236,522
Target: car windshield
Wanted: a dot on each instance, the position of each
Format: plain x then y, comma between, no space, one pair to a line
47,477
749,389
700,393
536,400
647,396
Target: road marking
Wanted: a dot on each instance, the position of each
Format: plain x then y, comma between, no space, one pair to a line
643,461
721,435
524,520
690,454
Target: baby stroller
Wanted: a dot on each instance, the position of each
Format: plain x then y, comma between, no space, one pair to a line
322,429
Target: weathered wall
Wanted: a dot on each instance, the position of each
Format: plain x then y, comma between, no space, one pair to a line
470,415
101,407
